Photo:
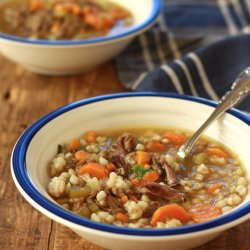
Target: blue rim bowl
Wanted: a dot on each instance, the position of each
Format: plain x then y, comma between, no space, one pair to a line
154,14
20,173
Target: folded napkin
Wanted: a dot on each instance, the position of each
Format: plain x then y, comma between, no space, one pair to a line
196,48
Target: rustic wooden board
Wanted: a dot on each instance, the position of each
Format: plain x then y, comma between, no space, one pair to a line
24,97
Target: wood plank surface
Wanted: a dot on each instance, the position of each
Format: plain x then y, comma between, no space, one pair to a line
25,97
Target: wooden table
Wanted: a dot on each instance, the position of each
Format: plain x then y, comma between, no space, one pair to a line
24,97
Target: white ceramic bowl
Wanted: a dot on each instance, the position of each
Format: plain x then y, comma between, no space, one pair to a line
38,144
71,57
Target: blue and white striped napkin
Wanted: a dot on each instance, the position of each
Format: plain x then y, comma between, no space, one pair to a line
196,48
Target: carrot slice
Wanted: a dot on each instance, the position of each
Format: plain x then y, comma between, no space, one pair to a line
155,146
176,139
36,5
213,188
122,217
204,212
151,176
91,136
124,199
82,155
55,28
86,9
69,7
59,8
93,169
170,211
137,182
217,151
110,166
93,20
146,166
76,9
74,144
142,157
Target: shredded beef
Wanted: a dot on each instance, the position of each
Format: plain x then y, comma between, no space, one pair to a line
129,143
71,163
118,152
113,204
170,178
149,211
130,159
78,204
159,164
39,23
125,144
134,192
16,18
161,192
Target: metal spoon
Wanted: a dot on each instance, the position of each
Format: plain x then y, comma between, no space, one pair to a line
239,90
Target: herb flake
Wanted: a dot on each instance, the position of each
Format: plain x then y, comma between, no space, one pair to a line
59,149
140,170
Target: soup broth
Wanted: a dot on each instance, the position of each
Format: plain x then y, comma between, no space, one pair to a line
132,178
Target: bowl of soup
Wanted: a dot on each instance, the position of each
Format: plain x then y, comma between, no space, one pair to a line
57,37
106,167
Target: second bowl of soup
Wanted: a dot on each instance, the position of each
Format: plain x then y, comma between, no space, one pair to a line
69,37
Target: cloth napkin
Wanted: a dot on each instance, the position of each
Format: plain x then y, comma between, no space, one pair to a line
196,48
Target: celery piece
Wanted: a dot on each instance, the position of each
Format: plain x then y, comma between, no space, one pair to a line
93,207
84,212
79,192
200,158
62,201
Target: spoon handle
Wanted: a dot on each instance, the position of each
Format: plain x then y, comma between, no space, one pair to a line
239,90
